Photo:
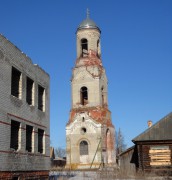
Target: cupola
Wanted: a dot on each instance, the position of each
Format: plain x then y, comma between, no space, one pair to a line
88,23
88,37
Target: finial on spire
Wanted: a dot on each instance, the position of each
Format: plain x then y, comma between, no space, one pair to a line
88,13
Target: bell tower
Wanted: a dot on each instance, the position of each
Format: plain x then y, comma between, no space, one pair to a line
90,133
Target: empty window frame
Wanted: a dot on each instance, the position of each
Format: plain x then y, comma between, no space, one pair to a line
84,95
84,47
16,83
29,131
15,127
29,91
160,156
41,98
40,141
83,148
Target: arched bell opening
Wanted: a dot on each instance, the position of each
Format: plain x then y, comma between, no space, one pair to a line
84,47
84,95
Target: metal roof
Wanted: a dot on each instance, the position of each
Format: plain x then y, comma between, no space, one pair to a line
88,24
127,150
162,130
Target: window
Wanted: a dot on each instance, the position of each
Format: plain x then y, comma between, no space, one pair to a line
160,156
15,127
98,46
29,130
16,83
40,140
83,148
41,98
84,46
84,95
29,91
102,96
83,130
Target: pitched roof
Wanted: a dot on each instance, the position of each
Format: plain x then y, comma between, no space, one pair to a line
127,150
162,130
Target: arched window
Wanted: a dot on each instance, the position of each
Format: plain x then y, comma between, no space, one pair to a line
83,148
84,47
84,95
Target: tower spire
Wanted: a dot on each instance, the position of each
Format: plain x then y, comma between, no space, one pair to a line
88,13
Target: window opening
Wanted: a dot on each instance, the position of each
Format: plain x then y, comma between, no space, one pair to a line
16,83
83,148
102,96
84,95
40,140
98,46
83,119
160,156
15,126
29,91
83,130
41,98
84,46
29,130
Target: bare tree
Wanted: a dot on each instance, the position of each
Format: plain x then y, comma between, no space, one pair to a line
60,152
120,144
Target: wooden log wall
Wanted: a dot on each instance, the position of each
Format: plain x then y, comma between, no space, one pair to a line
155,157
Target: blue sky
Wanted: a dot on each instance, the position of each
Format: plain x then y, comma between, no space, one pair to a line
136,43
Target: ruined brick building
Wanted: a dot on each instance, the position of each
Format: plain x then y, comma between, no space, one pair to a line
24,115
89,131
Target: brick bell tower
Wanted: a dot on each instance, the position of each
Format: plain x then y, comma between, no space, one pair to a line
90,133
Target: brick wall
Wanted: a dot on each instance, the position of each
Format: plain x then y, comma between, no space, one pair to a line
17,109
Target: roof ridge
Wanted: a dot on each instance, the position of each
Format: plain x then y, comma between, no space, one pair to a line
152,127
